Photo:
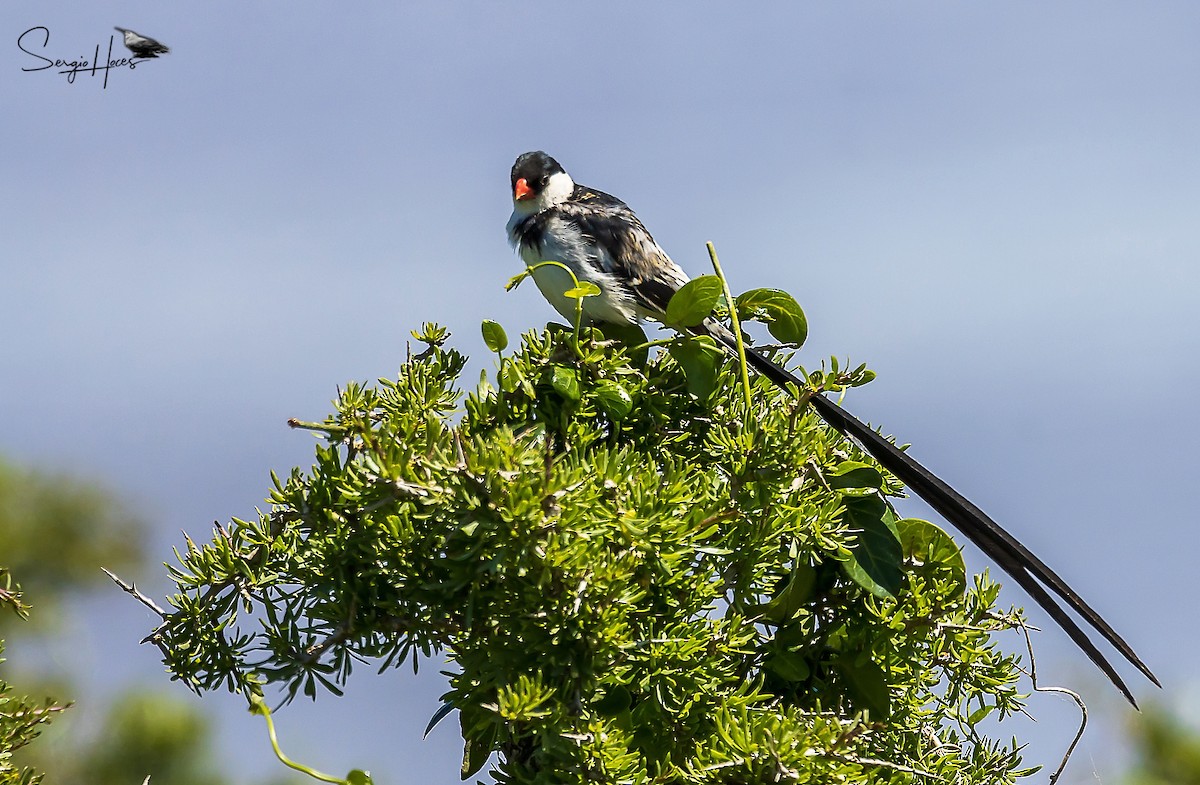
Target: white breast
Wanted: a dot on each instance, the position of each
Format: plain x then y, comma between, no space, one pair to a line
562,242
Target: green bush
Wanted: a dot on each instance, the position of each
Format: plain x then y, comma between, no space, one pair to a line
633,583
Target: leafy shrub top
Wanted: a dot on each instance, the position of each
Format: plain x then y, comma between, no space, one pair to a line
632,582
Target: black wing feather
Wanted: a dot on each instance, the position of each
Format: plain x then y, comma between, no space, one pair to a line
630,252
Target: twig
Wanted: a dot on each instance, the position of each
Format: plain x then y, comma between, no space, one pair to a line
1074,696
720,517
129,588
340,635
883,764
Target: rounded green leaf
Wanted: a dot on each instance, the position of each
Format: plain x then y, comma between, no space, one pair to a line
566,382
797,590
853,474
789,665
585,289
867,685
699,358
359,777
924,543
613,399
694,302
778,310
512,378
494,336
877,558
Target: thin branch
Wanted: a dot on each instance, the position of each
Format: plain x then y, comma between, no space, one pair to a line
130,589
340,635
883,764
1063,690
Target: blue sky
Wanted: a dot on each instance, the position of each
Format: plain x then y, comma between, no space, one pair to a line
994,205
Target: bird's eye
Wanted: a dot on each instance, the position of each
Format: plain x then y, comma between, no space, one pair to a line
543,180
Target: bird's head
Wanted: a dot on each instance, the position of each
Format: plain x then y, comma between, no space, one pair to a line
539,182
122,30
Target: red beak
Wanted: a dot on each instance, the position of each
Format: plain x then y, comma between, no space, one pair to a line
522,190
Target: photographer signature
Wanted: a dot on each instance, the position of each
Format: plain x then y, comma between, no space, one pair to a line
80,65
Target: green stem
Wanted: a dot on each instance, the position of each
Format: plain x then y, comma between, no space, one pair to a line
578,318
529,268
261,706
733,317
655,342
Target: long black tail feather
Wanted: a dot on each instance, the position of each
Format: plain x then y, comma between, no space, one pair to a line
1030,572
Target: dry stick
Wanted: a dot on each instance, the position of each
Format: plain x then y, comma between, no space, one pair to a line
129,588
1074,696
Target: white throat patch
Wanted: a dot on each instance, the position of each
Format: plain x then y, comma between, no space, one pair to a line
557,190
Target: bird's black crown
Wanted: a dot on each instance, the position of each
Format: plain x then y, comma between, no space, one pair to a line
536,167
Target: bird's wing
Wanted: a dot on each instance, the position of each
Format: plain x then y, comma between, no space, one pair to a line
627,251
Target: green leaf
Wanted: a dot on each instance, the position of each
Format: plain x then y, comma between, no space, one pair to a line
778,310
475,756
790,636
479,740
494,336
512,378
359,777
699,358
615,701
431,333
515,281
877,558
585,289
924,543
438,716
853,474
796,591
979,715
566,382
789,665
694,301
867,685
613,399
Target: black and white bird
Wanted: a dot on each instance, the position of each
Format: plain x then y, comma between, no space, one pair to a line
601,240
140,45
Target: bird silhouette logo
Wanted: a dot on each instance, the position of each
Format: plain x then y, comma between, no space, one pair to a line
141,45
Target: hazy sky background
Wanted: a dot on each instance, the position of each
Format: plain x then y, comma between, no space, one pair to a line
995,205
